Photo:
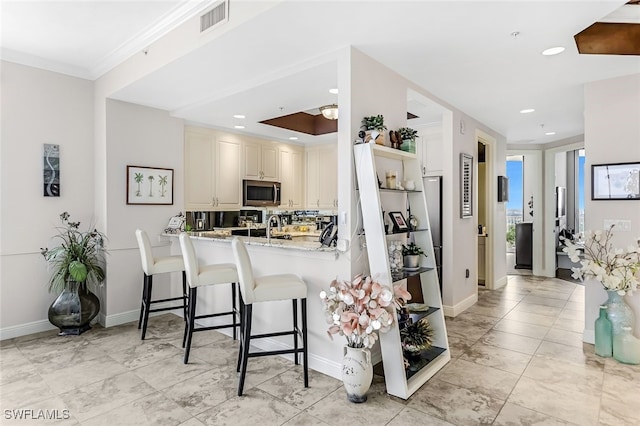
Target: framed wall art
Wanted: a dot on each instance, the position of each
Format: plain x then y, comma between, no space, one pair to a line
466,185
620,181
149,185
51,170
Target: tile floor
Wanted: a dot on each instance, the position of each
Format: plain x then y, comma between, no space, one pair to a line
517,359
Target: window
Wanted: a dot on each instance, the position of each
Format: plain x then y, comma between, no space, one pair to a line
515,205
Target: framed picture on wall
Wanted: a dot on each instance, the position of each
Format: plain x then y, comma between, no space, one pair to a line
466,185
619,181
149,185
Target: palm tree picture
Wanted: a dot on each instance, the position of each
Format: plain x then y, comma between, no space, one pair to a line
162,180
138,178
150,185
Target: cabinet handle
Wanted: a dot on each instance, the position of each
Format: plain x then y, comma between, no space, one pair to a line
213,201
318,203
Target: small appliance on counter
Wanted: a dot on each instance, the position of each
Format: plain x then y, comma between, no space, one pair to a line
329,236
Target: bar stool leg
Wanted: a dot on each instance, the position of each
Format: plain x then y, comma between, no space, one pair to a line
246,341
305,351
185,297
295,331
193,294
234,310
144,292
242,322
147,304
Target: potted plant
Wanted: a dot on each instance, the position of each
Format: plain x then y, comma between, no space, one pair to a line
374,128
411,255
74,263
408,137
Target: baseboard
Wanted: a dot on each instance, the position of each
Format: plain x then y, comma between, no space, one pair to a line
25,329
589,336
129,316
501,283
453,311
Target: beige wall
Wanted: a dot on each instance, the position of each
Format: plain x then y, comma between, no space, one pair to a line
39,107
612,135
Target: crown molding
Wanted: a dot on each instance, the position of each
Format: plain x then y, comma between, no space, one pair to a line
34,61
170,21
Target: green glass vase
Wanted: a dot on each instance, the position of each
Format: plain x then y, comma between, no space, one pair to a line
604,334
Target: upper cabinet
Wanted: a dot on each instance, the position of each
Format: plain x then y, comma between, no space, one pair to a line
261,161
212,170
431,150
291,174
322,180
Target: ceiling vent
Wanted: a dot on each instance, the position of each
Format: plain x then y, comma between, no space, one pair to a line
216,16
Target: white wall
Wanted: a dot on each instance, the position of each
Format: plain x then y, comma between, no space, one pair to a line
139,136
375,89
39,107
612,135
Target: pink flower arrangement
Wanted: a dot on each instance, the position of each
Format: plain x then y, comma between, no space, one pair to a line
357,309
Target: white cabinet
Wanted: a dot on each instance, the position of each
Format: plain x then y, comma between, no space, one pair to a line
431,150
322,177
402,380
260,161
291,175
212,170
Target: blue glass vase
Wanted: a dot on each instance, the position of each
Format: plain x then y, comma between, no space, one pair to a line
604,334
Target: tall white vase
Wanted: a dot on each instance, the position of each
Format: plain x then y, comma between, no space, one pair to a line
357,373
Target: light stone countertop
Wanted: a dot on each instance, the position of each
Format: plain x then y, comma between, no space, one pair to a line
295,244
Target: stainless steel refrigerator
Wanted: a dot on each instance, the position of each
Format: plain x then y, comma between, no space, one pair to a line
433,194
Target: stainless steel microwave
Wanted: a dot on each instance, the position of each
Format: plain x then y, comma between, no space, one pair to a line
260,193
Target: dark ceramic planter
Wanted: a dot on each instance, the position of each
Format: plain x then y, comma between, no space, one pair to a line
73,310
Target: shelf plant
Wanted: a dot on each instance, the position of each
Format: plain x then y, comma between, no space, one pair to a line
374,128
408,138
411,254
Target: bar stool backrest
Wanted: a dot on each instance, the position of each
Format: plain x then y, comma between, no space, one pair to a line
190,260
146,255
245,271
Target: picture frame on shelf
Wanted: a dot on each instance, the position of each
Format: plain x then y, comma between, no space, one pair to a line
399,223
616,181
149,185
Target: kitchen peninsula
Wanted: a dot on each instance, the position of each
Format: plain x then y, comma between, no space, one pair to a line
317,265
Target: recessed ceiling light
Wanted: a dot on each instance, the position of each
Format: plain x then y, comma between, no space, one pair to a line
239,127
526,111
550,133
553,51
293,138
334,91
238,116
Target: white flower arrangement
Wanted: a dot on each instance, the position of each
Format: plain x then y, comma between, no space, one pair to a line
616,269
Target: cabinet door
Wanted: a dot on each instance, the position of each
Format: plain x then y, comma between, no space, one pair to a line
269,167
313,179
292,178
328,179
252,159
432,151
198,162
227,174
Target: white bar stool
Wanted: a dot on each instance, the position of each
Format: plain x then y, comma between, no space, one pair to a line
265,289
152,266
204,275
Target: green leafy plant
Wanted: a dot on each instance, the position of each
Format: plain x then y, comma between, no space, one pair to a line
77,258
407,133
374,122
412,250
417,336
511,234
